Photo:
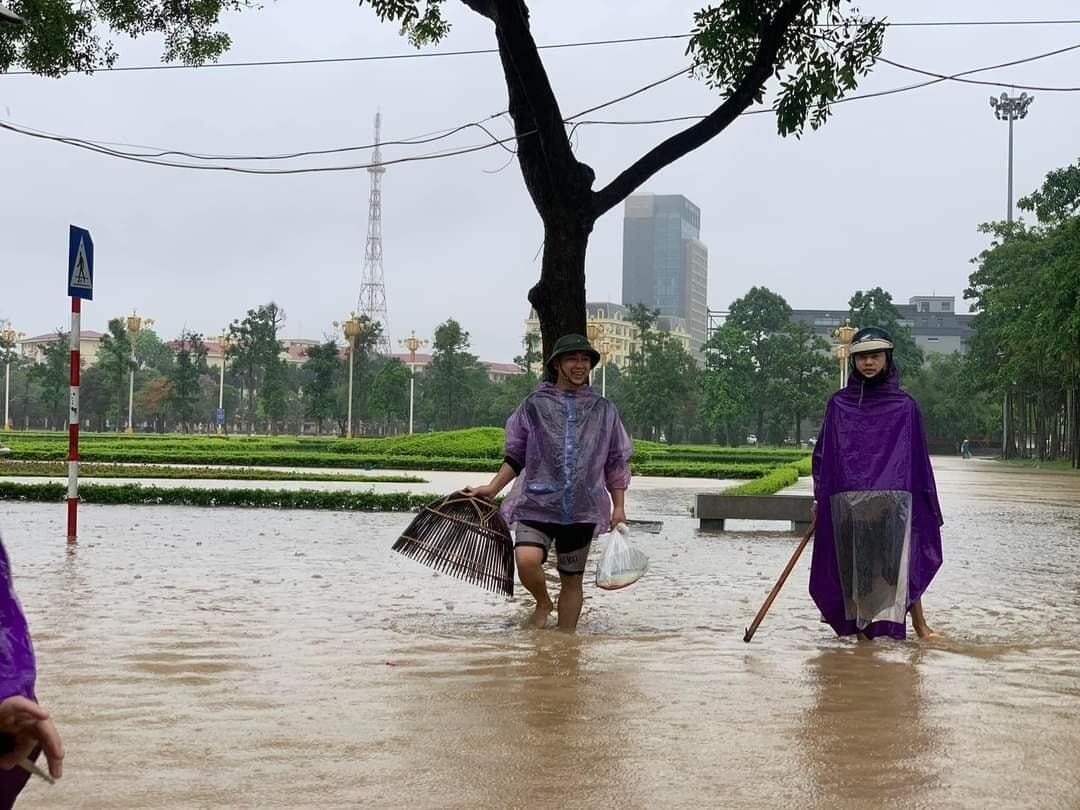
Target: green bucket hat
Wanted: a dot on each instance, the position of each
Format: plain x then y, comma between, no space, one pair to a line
573,343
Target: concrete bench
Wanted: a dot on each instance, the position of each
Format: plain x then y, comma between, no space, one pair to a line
713,509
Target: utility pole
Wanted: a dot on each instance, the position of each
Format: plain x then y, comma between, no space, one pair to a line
1009,108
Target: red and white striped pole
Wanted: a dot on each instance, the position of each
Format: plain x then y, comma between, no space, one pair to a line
73,424
80,277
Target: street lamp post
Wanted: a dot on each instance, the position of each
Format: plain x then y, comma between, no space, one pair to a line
9,336
412,343
134,324
353,328
844,334
1009,108
223,344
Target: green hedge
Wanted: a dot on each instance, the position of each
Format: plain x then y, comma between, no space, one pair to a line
186,496
473,450
96,470
768,484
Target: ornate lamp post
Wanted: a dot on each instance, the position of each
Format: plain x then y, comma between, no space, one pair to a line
9,337
223,344
353,328
412,343
134,324
596,335
844,334
605,349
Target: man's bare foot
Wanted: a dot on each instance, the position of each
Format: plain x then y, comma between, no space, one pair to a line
923,631
540,615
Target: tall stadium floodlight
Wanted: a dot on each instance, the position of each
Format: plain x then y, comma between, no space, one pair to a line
1009,108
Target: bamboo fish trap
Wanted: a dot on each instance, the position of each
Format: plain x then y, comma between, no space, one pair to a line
465,537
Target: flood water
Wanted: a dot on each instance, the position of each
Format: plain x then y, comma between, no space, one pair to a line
249,658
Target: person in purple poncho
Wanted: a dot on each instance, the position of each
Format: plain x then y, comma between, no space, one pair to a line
878,521
25,727
570,454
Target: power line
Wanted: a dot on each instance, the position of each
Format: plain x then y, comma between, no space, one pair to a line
154,160
555,46
983,82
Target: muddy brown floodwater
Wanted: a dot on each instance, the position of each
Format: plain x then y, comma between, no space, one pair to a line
252,659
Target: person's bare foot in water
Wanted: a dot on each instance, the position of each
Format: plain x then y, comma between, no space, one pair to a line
918,621
540,615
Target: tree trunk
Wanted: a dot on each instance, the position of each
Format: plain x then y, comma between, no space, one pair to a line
559,296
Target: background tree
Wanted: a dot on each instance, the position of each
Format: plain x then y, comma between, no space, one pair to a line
761,316
659,389
114,363
813,51
389,398
255,350
324,371
802,384
453,380
53,376
152,401
875,308
953,408
184,378
726,384
151,352
1026,347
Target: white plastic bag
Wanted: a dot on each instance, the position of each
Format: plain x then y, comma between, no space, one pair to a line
620,564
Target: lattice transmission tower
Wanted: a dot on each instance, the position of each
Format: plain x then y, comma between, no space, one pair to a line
372,301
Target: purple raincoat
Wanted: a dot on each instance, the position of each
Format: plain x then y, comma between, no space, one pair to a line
569,448
17,668
878,538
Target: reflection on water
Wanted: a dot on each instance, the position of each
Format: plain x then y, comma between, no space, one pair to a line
866,735
233,658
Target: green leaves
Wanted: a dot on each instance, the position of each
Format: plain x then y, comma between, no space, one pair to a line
819,58
64,37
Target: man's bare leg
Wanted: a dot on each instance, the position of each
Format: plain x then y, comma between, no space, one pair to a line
918,620
570,599
530,568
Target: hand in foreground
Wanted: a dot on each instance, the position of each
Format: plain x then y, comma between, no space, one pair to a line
30,725
618,515
485,491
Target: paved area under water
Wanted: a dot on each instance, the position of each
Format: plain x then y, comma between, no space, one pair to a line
216,658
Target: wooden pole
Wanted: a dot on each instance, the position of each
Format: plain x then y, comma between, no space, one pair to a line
779,584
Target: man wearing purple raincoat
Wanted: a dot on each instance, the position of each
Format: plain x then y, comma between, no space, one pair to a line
24,726
878,540
570,453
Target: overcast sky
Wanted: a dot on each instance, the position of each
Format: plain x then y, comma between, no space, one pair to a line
889,192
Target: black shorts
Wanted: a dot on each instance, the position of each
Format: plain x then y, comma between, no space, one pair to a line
572,541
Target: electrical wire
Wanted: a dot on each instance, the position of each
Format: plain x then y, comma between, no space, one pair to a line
555,46
501,142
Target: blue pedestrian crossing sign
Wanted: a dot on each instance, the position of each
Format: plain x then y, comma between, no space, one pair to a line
80,264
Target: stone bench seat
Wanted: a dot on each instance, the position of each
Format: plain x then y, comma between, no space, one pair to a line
713,509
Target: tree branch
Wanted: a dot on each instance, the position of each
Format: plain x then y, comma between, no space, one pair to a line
544,152
712,125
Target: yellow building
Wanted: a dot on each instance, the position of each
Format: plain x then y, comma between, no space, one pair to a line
612,333
34,347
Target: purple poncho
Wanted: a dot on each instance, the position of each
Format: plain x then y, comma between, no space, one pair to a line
570,448
878,538
17,667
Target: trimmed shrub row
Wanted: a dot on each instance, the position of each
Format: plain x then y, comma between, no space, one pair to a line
59,468
768,484
137,494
